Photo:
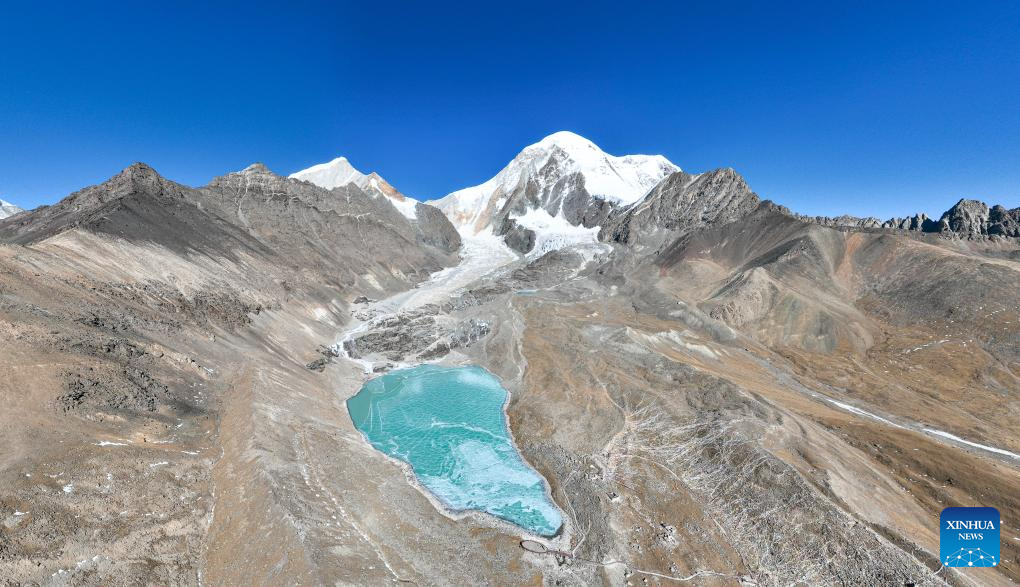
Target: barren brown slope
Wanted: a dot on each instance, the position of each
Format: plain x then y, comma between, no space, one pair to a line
132,316
920,331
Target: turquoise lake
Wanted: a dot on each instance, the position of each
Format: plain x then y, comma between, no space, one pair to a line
447,423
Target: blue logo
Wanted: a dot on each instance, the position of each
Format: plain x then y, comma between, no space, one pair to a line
969,537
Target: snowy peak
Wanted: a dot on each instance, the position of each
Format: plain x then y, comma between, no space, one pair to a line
8,209
339,172
557,190
624,179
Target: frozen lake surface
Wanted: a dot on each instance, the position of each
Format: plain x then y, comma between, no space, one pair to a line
448,424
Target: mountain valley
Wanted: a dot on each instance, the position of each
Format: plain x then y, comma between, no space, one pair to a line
717,390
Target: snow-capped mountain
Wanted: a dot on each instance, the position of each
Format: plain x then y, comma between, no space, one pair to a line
340,172
8,209
554,192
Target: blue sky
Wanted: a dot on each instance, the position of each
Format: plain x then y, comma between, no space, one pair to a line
882,108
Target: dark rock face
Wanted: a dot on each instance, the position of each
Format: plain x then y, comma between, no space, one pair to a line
578,206
680,203
968,218
435,229
1003,222
844,221
517,237
593,213
917,222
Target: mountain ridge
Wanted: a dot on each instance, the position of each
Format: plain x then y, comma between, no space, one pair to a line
969,218
545,198
339,172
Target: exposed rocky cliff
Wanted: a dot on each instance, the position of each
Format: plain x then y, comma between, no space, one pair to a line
1003,222
434,228
681,202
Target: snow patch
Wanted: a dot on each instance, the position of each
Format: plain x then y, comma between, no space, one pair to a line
408,207
860,412
956,438
679,339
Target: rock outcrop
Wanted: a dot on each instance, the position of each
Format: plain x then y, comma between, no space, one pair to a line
967,219
435,229
516,236
680,203
1003,222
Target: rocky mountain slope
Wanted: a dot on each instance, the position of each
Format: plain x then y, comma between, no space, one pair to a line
717,390
258,214
134,316
681,203
431,225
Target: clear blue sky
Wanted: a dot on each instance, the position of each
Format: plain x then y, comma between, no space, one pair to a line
881,108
